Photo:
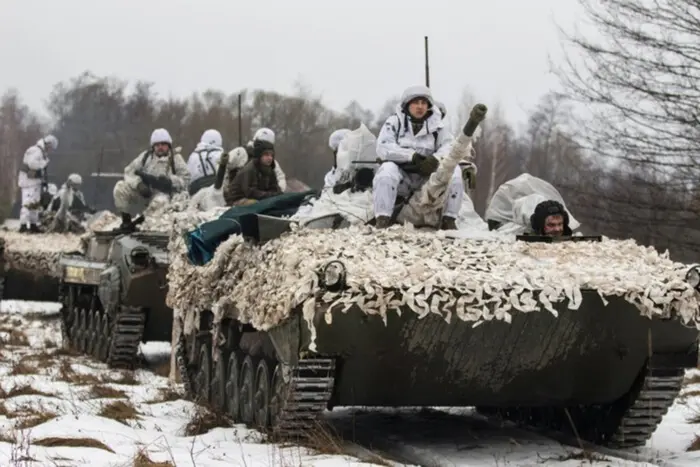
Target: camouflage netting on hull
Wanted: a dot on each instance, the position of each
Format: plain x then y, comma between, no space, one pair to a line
479,280
37,254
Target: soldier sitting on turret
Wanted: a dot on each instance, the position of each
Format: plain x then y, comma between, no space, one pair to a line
411,143
550,219
256,180
158,169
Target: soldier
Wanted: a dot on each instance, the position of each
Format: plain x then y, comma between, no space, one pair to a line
333,142
411,143
550,219
204,160
157,170
256,180
32,181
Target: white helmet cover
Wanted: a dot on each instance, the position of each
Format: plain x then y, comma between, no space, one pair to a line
416,91
212,137
161,135
265,134
75,179
237,158
50,141
336,137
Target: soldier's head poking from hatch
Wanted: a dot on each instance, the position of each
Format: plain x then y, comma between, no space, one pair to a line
161,142
264,147
550,218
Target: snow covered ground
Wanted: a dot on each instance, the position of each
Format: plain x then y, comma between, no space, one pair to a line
58,409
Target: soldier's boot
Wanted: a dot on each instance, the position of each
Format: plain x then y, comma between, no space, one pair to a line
448,223
33,228
23,228
383,222
127,225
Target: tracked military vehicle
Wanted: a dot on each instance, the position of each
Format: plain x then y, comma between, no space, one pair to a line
283,323
114,296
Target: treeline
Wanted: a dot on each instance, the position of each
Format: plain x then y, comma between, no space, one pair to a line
102,123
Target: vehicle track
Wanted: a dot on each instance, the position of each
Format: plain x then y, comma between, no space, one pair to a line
438,437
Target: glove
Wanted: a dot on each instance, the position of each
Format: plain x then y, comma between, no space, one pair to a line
146,178
417,159
428,166
144,190
163,183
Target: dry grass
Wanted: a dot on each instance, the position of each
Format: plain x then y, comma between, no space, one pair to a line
101,391
6,437
692,379
205,420
120,411
23,367
40,360
142,460
162,369
55,442
25,390
68,374
14,337
695,445
35,419
166,395
126,378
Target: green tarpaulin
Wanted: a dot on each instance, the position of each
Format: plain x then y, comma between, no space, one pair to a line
203,241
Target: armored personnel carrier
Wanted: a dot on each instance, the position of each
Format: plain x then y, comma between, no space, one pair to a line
29,264
584,333
114,296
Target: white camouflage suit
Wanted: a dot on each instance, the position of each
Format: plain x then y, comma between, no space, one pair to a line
127,199
397,143
36,159
204,160
331,177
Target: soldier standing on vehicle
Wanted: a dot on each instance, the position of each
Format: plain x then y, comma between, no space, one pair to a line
32,181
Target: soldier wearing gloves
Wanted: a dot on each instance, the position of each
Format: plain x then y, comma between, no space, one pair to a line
410,146
157,170
32,182
204,160
333,142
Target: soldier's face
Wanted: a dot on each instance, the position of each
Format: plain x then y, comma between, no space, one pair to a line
267,158
554,225
161,149
418,108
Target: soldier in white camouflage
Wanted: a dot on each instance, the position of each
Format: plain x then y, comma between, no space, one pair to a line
156,171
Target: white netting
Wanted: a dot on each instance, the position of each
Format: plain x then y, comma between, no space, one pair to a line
480,279
37,253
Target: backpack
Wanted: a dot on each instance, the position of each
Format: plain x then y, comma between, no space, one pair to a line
201,161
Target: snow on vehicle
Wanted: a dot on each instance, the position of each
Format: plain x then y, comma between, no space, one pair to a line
30,268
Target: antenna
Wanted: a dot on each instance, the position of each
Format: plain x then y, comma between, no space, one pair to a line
240,119
427,61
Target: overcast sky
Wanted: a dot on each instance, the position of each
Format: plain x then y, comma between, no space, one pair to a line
367,50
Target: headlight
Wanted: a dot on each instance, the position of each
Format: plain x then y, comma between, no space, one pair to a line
693,277
333,276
